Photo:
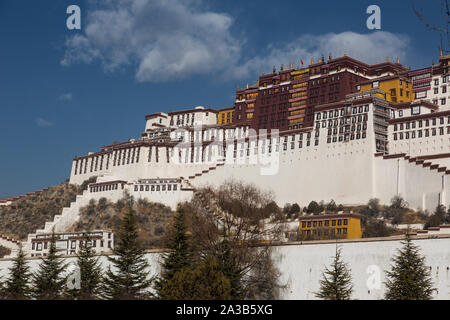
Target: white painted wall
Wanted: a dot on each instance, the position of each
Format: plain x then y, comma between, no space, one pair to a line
346,172
301,265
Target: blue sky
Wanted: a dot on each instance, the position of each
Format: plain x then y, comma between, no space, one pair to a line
65,93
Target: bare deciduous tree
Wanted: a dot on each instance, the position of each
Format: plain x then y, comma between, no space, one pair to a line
442,28
249,221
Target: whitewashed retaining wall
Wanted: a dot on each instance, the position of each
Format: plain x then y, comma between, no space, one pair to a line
301,266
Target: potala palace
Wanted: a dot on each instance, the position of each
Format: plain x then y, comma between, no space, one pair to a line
338,129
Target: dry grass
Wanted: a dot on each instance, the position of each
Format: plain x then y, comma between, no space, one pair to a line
152,218
26,215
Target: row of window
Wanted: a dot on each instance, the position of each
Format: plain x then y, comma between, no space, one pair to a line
39,246
324,223
325,232
444,80
347,129
273,99
125,156
121,157
347,137
106,187
157,187
420,123
341,112
420,133
343,121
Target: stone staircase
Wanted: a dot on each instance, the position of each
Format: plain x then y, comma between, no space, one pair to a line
61,222
420,161
220,163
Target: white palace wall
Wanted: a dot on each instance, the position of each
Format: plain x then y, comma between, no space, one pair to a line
348,172
420,186
307,174
301,265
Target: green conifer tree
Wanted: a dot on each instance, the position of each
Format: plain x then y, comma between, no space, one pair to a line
204,282
17,286
130,278
336,283
49,282
409,278
230,269
180,253
90,272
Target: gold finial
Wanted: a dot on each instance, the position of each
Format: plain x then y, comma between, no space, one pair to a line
312,60
387,59
263,73
290,66
440,52
247,85
345,53
398,60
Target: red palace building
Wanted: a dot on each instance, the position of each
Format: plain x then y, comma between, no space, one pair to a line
285,100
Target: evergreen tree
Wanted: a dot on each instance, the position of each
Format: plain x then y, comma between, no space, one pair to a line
90,272
331,207
230,268
49,283
314,208
130,279
409,278
336,283
17,286
438,218
295,209
204,282
180,252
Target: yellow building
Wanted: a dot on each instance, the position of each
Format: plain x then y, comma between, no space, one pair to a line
225,116
397,89
336,226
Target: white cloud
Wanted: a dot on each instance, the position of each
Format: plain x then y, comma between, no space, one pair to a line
173,39
40,122
66,96
163,39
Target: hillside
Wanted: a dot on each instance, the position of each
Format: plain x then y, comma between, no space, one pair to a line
26,215
152,219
